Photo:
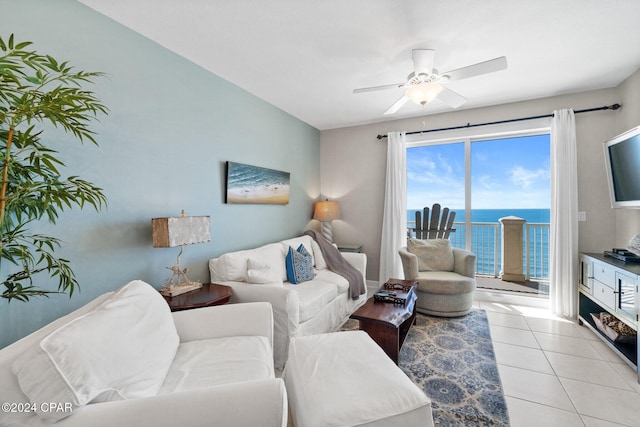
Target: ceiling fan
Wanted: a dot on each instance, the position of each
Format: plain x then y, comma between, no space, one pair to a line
424,84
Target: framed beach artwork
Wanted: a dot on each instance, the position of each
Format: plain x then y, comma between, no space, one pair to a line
253,184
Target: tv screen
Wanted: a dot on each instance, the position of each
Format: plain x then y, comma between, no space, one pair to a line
622,159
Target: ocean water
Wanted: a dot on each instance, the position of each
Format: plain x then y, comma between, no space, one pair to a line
240,175
486,238
493,215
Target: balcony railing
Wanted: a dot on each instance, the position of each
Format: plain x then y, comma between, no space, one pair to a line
486,243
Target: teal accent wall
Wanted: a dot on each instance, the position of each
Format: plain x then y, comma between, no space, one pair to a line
163,148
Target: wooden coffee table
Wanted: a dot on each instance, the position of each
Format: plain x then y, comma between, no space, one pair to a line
388,323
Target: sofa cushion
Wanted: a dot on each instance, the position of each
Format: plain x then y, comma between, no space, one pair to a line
299,265
232,266
218,361
313,296
433,254
121,349
261,273
341,283
445,283
320,263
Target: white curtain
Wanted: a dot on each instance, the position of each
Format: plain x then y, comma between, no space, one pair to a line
394,220
563,235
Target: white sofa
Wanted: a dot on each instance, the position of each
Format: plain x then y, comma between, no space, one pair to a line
125,360
317,306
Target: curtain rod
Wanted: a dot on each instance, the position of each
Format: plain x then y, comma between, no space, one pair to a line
469,125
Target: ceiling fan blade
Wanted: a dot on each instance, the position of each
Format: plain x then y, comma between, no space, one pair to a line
396,105
451,98
374,88
423,60
478,69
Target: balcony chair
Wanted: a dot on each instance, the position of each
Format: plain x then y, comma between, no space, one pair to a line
434,226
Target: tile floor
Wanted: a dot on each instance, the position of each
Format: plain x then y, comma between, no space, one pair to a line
556,373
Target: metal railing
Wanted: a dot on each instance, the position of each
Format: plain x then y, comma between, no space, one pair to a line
486,243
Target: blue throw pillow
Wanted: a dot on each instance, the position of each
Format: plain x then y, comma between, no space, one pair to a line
299,266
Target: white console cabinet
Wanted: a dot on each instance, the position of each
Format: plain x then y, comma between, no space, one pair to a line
607,284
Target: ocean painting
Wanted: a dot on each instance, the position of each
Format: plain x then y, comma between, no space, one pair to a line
253,184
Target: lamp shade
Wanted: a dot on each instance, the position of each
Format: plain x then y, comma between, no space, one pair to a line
326,211
178,231
423,93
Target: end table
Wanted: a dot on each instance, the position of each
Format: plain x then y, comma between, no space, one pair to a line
209,294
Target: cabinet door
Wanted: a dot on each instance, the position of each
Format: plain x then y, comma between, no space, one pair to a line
626,295
586,274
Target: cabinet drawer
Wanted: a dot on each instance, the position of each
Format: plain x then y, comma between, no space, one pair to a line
604,294
604,274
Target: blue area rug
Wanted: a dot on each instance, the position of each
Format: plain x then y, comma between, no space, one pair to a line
453,361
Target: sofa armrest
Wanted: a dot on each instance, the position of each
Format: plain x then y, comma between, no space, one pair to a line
357,260
409,263
464,262
223,405
286,313
251,319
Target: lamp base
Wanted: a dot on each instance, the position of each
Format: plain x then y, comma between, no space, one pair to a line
326,230
173,290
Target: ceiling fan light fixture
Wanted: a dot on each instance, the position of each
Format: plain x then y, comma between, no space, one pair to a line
423,93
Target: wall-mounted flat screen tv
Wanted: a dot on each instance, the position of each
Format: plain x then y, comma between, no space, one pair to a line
622,160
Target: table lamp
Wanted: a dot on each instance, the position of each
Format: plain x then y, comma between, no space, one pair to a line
179,231
325,212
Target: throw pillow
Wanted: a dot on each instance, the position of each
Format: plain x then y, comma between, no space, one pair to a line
121,349
299,265
321,264
433,254
261,273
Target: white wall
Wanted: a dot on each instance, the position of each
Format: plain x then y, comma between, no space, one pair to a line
353,165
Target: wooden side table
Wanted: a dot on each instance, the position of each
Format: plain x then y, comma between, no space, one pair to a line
350,248
209,294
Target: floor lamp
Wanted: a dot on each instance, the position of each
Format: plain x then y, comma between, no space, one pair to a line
325,212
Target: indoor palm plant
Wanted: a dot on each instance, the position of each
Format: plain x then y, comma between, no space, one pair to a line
36,91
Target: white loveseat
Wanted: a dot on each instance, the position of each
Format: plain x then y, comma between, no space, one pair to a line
316,306
125,360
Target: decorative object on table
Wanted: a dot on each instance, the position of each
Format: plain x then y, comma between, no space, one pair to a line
325,212
179,231
612,327
252,184
634,245
36,92
394,291
452,360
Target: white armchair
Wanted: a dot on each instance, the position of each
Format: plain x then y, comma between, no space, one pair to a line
445,275
223,360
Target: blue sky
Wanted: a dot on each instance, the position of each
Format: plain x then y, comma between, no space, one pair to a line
505,173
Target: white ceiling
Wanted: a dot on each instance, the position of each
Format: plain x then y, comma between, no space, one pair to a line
307,56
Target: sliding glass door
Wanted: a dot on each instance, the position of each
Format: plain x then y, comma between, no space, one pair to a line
484,180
